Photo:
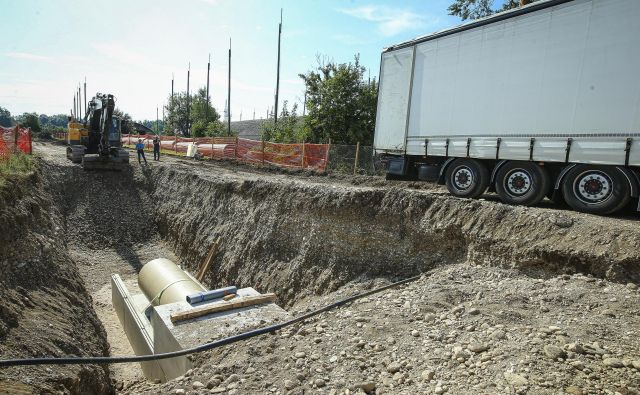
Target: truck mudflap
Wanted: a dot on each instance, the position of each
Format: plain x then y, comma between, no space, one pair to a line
397,165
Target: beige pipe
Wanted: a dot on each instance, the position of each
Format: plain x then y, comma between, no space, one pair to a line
162,282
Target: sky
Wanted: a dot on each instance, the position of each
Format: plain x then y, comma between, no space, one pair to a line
131,48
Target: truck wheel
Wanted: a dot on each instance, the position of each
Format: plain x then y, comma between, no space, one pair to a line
467,178
595,189
524,183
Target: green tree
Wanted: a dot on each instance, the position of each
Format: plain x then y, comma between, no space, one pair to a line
474,9
289,128
6,119
32,121
341,104
126,125
204,120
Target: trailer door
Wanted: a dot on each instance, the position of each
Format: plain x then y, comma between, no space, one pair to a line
393,100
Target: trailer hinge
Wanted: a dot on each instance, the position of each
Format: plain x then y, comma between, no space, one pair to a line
498,148
426,147
468,146
568,150
446,148
531,143
627,151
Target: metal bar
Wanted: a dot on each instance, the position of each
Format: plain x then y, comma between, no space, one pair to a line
568,149
531,143
627,151
278,70
498,141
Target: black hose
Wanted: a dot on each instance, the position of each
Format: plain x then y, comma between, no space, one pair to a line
197,349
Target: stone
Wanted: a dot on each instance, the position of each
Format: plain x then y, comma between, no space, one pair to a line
636,364
473,311
498,335
250,370
515,379
233,378
613,362
415,333
289,384
554,352
438,390
333,359
179,391
213,383
477,347
218,390
393,367
427,375
300,354
576,347
319,383
429,317
368,386
197,385
632,286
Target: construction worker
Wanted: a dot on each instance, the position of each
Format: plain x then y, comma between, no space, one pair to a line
140,149
156,148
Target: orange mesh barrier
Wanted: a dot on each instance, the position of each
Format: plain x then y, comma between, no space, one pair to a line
14,139
307,156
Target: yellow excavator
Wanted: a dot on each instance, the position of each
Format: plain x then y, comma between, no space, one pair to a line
96,142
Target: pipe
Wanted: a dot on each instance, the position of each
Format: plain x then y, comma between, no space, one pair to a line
210,295
163,282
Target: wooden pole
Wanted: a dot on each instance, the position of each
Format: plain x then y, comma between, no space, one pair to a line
275,120
263,151
355,162
175,146
212,142
235,150
207,262
326,156
223,306
303,153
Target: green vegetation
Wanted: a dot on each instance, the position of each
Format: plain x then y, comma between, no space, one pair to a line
474,9
17,165
6,119
289,128
204,119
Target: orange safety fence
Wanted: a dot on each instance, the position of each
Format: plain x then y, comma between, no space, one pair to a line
15,139
305,156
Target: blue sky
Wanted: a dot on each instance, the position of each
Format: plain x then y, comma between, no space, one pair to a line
131,48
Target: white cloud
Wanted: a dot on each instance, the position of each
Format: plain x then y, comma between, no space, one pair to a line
28,56
390,21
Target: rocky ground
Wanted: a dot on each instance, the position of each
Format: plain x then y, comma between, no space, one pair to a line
460,329
512,300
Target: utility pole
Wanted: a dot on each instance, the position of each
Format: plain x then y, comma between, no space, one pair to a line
79,103
188,103
278,70
157,125
254,114
163,124
85,96
172,78
208,70
304,105
75,107
229,93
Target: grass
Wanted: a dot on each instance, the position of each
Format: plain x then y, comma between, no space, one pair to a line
18,164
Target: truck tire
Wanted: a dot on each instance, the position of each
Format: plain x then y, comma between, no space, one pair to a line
467,178
523,183
595,189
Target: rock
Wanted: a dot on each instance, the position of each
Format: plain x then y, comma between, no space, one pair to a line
218,390
613,362
561,221
577,364
576,347
573,390
393,367
438,390
289,384
333,359
179,391
415,333
473,311
319,383
232,379
632,286
427,375
498,335
636,364
515,379
300,354
197,385
213,383
429,317
250,370
554,352
368,386
477,347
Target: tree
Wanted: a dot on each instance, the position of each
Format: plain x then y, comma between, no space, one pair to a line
6,119
126,125
289,128
32,121
341,104
474,9
204,120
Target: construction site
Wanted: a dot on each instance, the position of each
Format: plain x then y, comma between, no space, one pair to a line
445,227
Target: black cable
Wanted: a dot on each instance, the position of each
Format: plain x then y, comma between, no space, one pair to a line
197,349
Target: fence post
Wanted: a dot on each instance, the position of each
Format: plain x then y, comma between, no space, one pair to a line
212,141
30,142
263,151
303,153
326,156
175,146
355,163
235,149
15,139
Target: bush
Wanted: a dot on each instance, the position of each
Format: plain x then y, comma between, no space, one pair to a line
18,164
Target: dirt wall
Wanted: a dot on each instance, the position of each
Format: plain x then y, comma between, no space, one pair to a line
45,308
299,238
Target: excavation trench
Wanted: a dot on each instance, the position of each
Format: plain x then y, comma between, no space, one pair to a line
299,237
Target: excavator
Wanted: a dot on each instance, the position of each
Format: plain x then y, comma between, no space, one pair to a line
96,142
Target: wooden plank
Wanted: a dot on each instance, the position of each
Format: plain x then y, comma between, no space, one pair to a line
223,306
207,262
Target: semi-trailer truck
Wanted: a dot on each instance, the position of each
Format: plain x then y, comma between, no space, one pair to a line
542,100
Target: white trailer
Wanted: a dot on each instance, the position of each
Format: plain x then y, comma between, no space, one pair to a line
543,100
